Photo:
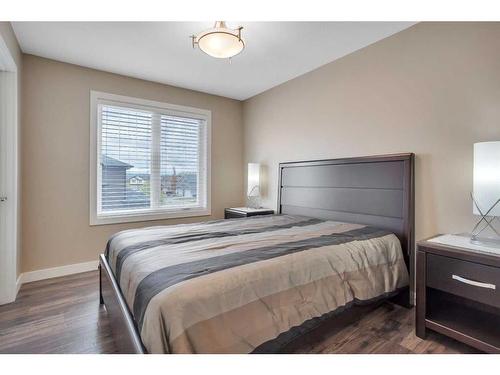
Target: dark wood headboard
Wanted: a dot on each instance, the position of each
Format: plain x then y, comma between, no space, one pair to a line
371,190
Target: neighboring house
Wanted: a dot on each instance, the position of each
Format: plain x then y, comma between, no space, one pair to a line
136,181
115,194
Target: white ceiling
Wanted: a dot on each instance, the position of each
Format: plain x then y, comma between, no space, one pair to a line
161,51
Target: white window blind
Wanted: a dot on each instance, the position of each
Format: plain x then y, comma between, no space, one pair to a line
125,153
152,161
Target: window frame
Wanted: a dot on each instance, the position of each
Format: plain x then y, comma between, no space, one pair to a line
97,98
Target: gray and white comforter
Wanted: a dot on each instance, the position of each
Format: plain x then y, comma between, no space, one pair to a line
230,286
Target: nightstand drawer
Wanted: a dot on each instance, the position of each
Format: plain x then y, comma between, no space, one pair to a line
470,280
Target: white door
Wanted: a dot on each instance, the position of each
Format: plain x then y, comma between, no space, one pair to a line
8,176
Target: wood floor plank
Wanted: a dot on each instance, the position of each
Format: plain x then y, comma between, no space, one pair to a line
63,315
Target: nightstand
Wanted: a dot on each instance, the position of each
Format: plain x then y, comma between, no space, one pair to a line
236,212
458,291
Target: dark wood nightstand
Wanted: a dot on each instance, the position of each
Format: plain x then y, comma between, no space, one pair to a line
236,212
458,292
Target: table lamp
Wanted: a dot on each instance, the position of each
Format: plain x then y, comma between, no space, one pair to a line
486,189
253,185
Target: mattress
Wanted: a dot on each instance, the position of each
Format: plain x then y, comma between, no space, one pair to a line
234,286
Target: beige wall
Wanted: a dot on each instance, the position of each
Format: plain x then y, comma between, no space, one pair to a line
433,89
7,34
55,137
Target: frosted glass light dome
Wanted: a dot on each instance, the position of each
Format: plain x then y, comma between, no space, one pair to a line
220,42
486,184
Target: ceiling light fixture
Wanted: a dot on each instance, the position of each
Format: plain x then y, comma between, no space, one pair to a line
220,41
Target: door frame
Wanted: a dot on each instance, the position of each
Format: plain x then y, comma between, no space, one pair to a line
9,174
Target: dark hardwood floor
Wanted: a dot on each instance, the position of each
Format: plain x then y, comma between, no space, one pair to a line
63,315
60,315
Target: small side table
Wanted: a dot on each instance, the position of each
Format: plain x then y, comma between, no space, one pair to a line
237,212
458,291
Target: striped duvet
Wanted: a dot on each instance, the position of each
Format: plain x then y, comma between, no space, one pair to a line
236,286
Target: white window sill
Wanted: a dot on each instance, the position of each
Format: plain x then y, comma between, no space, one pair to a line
147,216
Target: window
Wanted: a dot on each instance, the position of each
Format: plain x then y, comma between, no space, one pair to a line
149,160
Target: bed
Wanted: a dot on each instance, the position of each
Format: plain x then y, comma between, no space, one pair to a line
340,244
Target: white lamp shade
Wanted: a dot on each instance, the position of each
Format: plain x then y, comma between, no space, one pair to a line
487,177
253,179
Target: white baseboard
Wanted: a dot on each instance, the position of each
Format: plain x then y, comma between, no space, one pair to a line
12,295
49,273
19,283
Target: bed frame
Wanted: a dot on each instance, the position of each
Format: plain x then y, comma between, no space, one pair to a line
371,190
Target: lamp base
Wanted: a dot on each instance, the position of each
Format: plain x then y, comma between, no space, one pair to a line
485,241
253,202
486,220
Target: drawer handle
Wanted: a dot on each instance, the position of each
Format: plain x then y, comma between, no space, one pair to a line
474,283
